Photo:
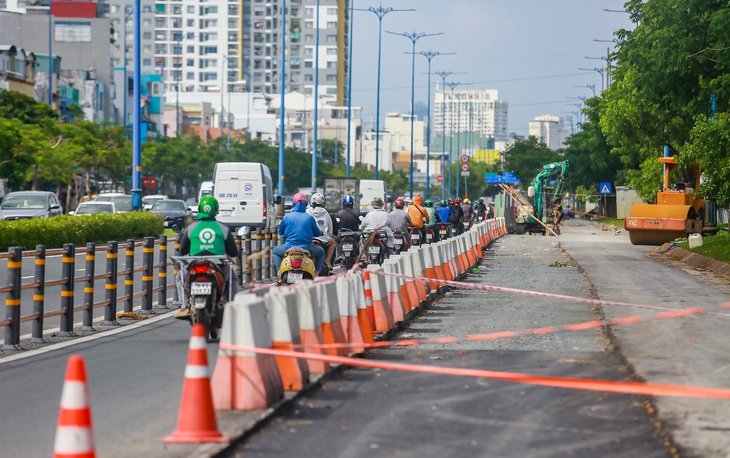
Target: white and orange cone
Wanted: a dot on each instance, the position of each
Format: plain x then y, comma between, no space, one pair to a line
196,422
74,436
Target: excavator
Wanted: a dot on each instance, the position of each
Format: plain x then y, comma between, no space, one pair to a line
678,211
543,202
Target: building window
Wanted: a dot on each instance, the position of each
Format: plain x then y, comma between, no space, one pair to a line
191,9
331,38
308,77
146,62
331,51
332,24
191,22
190,76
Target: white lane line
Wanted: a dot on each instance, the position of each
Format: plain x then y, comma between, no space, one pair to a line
80,340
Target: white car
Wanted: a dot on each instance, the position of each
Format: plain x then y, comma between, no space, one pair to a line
149,201
94,208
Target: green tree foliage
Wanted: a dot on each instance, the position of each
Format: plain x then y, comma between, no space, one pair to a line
664,72
526,158
591,161
14,105
711,145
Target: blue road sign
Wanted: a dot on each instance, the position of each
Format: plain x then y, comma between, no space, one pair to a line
605,188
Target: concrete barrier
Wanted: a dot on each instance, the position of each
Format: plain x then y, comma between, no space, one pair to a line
286,335
310,325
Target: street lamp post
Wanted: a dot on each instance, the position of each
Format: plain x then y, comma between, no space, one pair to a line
50,53
430,55
220,119
414,37
137,131
597,70
380,12
592,87
443,76
282,67
127,13
315,144
452,86
349,88
229,122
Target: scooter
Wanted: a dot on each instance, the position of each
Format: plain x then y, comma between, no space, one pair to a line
444,231
350,246
296,266
400,245
430,235
416,239
207,290
376,245
325,272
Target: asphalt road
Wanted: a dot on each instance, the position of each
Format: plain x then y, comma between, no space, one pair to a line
135,373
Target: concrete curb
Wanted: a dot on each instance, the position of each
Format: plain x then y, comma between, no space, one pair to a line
694,259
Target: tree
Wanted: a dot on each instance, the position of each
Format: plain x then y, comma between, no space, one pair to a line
664,72
526,158
710,145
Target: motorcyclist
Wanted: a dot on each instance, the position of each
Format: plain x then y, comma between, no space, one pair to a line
299,229
378,219
400,220
467,209
324,222
457,213
433,217
348,216
444,211
481,208
490,211
205,237
419,216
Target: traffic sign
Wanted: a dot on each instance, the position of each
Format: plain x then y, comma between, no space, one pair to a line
464,167
149,181
464,158
440,178
605,188
465,174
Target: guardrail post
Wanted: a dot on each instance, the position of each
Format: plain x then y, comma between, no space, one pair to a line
265,267
12,301
175,296
39,295
162,296
148,260
112,266
246,266
129,278
274,243
68,269
239,259
88,323
257,245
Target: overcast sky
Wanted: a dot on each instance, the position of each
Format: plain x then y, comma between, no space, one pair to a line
529,50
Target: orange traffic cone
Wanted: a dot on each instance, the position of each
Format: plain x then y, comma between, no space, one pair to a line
196,421
74,437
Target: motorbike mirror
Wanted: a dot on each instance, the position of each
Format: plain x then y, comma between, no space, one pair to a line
278,200
244,231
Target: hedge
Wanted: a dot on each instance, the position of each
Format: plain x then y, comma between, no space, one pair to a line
79,230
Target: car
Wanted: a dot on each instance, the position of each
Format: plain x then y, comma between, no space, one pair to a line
192,204
30,204
287,202
175,211
94,208
147,201
122,202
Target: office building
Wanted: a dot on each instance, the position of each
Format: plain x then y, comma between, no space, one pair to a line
549,130
474,117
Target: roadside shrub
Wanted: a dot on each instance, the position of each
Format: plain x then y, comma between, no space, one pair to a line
79,230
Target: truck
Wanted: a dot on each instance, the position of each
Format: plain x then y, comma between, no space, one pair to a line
370,189
336,188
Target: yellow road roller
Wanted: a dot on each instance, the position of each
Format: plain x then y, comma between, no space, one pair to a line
676,213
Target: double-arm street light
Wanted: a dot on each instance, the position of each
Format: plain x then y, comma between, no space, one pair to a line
443,76
597,70
125,89
452,85
414,37
430,55
592,87
282,71
315,144
349,87
380,12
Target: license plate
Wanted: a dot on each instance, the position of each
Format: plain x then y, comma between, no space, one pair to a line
348,247
429,237
416,237
201,288
373,249
226,213
293,277
399,241
442,232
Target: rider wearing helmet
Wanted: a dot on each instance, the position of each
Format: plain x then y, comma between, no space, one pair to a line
481,208
324,222
205,237
444,211
457,213
433,217
400,220
348,216
299,229
467,209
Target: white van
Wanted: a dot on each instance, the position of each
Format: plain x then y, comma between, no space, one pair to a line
245,194
206,189
369,189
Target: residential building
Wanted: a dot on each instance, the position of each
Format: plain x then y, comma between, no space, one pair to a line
550,130
471,118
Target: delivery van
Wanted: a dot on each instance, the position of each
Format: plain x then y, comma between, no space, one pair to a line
245,193
369,189
206,189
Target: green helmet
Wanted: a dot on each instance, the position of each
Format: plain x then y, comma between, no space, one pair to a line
428,203
442,202
208,207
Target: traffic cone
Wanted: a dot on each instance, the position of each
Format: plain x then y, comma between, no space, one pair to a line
74,437
196,421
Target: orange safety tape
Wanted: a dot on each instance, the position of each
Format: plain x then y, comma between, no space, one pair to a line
613,386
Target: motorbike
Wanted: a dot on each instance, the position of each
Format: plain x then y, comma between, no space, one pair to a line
207,290
296,266
430,235
377,246
325,272
444,231
400,244
416,239
349,244
481,216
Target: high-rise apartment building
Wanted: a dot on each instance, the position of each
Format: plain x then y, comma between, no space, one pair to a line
550,130
478,111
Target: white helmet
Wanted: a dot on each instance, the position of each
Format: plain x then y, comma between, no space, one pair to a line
317,199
